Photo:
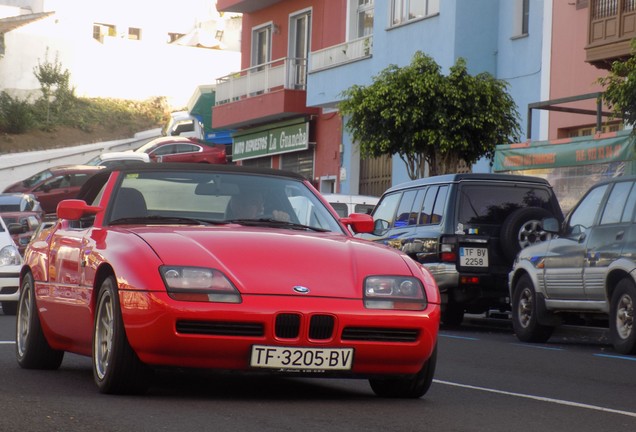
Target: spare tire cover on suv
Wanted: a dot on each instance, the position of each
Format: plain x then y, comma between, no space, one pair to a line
522,228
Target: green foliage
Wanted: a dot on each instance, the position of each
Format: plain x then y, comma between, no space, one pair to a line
620,88
57,95
425,117
58,106
16,116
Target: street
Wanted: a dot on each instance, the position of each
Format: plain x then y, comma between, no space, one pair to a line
485,381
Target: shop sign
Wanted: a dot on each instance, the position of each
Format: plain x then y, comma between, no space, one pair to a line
577,151
283,139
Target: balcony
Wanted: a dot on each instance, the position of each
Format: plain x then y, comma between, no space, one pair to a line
261,94
612,26
243,6
344,53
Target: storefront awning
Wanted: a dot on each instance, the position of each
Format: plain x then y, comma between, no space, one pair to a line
603,148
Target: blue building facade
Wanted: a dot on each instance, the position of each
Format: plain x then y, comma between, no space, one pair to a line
506,38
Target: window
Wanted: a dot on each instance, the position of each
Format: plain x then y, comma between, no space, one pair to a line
385,210
583,216
522,14
403,11
363,18
134,33
100,31
480,205
404,209
616,202
300,28
440,203
174,36
261,45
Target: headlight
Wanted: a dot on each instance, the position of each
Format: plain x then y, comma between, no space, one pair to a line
394,292
9,255
198,284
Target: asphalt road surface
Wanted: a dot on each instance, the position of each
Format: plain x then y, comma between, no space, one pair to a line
485,381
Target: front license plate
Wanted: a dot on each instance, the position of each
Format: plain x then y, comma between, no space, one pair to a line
473,257
264,356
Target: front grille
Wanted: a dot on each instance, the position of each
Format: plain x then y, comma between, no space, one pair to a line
287,326
218,328
321,327
380,334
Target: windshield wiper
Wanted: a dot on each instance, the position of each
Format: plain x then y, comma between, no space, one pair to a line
155,219
275,223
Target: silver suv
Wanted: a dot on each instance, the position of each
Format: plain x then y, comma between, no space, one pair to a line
587,271
466,229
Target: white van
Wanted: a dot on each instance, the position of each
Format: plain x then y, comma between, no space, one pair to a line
344,205
182,123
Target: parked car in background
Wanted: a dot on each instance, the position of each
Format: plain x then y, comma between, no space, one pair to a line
183,149
467,230
109,159
10,263
52,185
23,210
344,205
585,272
166,267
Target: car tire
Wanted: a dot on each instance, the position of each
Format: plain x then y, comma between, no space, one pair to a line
524,313
31,347
621,322
116,367
522,228
453,314
412,387
9,307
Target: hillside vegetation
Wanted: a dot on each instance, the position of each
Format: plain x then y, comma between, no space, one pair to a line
58,118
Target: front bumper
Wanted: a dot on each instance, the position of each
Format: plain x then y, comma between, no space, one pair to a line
9,283
220,336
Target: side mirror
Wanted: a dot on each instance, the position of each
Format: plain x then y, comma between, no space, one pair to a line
551,225
74,209
380,227
359,223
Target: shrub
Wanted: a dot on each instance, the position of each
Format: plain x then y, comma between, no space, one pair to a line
16,116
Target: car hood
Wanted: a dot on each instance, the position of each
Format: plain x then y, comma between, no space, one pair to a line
273,261
536,251
16,187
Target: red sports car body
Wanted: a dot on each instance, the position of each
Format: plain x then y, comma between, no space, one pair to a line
152,266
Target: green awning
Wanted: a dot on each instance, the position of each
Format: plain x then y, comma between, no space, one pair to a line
605,148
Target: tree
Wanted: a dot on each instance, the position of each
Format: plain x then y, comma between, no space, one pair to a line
57,94
427,118
620,88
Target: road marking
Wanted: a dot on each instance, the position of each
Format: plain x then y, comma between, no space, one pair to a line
7,342
540,398
457,337
543,347
616,356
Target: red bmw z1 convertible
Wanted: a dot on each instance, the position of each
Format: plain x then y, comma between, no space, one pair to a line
223,268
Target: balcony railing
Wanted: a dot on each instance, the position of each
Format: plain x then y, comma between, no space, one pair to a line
612,26
284,73
341,54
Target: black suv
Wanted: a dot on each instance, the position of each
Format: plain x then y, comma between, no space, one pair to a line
467,230
585,272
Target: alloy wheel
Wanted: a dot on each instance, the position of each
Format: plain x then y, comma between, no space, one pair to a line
104,335
625,316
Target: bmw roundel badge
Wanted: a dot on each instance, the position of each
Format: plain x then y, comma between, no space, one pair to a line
301,289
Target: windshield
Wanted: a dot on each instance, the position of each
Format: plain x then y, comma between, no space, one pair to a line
37,178
219,198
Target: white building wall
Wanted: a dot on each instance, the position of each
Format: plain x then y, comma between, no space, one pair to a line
118,67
